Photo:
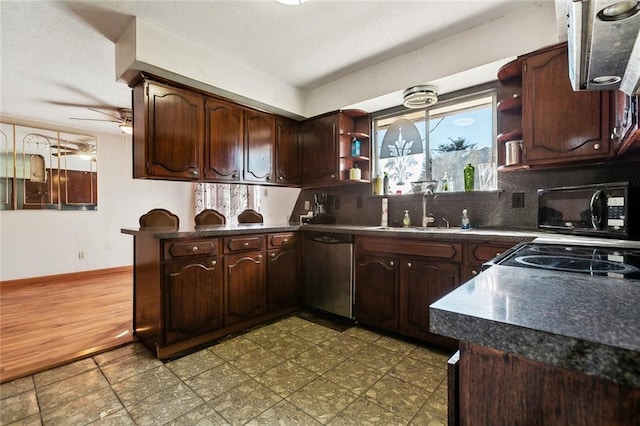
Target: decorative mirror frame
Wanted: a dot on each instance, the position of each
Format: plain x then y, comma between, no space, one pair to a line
43,169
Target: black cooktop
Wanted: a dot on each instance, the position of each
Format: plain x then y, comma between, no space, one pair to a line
601,261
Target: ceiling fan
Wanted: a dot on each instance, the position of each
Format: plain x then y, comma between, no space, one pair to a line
82,149
124,121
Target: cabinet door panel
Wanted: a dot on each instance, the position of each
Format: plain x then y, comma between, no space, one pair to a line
175,132
192,298
223,145
423,282
560,125
259,145
377,291
287,152
320,150
282,279
245,286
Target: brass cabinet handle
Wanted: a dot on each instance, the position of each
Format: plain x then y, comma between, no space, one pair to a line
268,177
259,257
194,248
474,272
195,173
391,263
273,255
409,264
280,177
596,146
285,240
246,244
214,263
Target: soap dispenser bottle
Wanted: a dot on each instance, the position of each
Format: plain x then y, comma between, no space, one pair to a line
406,220
465,220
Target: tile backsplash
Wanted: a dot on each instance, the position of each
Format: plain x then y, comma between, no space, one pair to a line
513,206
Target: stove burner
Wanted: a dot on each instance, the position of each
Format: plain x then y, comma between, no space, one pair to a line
575,264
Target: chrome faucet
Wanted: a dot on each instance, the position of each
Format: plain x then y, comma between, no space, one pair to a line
426,218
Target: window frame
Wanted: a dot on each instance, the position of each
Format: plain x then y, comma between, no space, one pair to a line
460,96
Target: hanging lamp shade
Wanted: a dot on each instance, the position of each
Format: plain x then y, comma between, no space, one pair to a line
420,96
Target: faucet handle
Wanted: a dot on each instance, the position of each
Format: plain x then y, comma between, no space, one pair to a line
446,221
426,220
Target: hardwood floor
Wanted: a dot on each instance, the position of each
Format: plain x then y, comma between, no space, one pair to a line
51,321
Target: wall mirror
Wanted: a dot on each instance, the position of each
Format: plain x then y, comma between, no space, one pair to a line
47,169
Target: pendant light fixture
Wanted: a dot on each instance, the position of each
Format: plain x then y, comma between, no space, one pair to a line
420,96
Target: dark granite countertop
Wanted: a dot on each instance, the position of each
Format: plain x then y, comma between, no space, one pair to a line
584,323
431,233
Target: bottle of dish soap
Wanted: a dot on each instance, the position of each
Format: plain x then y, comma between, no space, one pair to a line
465,220
445,182
406,220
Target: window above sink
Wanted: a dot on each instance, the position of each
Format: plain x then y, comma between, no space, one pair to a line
415,147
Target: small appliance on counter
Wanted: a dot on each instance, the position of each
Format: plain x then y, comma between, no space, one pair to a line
321,210
603,210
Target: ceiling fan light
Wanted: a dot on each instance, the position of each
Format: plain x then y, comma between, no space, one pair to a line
85,156
126,128
420,96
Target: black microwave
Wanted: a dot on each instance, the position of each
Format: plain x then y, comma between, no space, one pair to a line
605,210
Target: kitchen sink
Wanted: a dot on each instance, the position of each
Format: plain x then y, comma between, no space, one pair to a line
414,229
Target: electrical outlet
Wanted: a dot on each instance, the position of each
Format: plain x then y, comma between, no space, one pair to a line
517,200
336,203
80,255
307,205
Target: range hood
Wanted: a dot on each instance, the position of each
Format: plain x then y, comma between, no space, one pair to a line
604,52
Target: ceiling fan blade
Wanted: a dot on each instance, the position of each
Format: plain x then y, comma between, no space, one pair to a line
118,119
94,119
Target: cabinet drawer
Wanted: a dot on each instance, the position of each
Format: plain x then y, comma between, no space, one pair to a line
438,250
236,244
482,252
190,248
282,240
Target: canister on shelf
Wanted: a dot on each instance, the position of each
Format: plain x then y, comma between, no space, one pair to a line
355,147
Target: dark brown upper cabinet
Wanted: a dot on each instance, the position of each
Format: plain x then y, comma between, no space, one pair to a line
557,125
223,148
560,125
319,144
169,132
259,142
287,152
326,147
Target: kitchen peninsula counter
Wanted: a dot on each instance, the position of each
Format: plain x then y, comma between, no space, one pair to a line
588,324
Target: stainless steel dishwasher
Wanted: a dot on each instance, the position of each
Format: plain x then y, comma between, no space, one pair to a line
328,266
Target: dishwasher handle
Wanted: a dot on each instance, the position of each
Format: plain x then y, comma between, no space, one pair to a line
330,239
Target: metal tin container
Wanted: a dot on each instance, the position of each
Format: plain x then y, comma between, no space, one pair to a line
513,152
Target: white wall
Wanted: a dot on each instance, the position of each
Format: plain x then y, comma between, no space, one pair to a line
37,243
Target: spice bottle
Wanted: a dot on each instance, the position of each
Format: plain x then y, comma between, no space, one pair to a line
377,185
385,184
445,182
469,175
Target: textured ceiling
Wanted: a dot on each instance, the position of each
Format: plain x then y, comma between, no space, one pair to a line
59,57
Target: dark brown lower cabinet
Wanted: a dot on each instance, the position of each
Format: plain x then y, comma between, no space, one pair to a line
192,298
245,286
377,293
397,280
283,273
497,388
190,291
422,282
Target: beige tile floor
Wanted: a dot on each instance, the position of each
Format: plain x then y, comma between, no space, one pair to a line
290,372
